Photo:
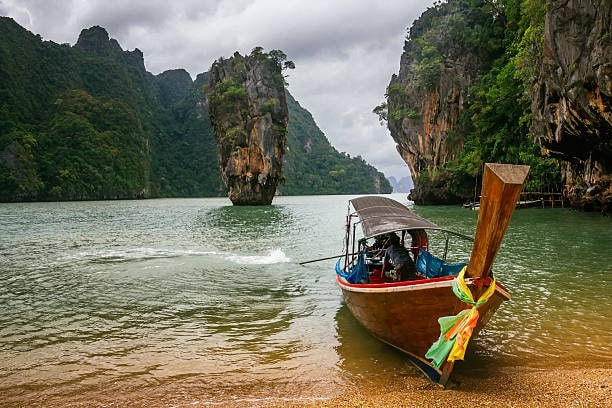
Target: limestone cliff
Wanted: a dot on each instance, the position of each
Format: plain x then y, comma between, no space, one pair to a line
248,109
476,84
572,105
420,117
425,99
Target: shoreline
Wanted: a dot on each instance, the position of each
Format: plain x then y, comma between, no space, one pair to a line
576,384
508,387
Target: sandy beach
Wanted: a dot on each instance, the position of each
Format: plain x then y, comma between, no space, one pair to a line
570,386
509,387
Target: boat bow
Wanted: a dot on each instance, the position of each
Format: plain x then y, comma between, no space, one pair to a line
430,319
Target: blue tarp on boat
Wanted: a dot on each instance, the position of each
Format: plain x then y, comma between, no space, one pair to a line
358,274
434,267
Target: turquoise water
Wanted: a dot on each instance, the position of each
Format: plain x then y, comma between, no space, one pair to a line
179,295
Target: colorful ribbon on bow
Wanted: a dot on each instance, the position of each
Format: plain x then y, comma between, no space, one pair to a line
456,331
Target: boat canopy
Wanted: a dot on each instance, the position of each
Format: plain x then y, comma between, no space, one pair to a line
382,215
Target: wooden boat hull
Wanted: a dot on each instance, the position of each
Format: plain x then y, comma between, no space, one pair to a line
405,315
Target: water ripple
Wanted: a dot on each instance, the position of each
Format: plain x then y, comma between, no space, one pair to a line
147,292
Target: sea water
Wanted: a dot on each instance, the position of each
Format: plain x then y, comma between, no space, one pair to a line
197,300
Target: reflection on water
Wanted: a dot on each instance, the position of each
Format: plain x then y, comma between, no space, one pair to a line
102,296
251,223
363,357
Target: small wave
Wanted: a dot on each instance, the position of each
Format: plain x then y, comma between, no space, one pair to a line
275,256
134,254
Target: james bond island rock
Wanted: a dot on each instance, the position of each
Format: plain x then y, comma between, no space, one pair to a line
572,105
248,110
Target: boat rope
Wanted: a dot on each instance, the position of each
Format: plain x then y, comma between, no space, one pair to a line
456,331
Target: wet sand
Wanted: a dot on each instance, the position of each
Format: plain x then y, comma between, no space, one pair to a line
509,387
568,386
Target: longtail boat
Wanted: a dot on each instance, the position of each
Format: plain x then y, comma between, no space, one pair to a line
431,318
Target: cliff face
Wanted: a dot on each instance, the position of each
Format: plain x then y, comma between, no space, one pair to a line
428,114
572,105
425,99
466,87
420,116
248,110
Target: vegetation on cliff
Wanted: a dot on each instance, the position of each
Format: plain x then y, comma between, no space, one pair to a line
89,122
248,109
70,129
312,164
463,94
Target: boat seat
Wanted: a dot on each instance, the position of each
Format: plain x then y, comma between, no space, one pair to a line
433,267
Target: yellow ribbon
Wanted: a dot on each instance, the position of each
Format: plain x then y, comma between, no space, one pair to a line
462,331
456,331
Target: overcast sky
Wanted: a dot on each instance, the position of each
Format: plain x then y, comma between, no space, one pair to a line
345,51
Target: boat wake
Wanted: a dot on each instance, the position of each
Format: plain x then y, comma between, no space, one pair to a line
274,256
135,254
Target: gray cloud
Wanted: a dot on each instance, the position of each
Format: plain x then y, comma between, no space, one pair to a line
345,51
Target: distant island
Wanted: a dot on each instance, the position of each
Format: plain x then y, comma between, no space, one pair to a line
404,185
88,122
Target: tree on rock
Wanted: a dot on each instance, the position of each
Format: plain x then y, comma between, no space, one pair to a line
248,110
